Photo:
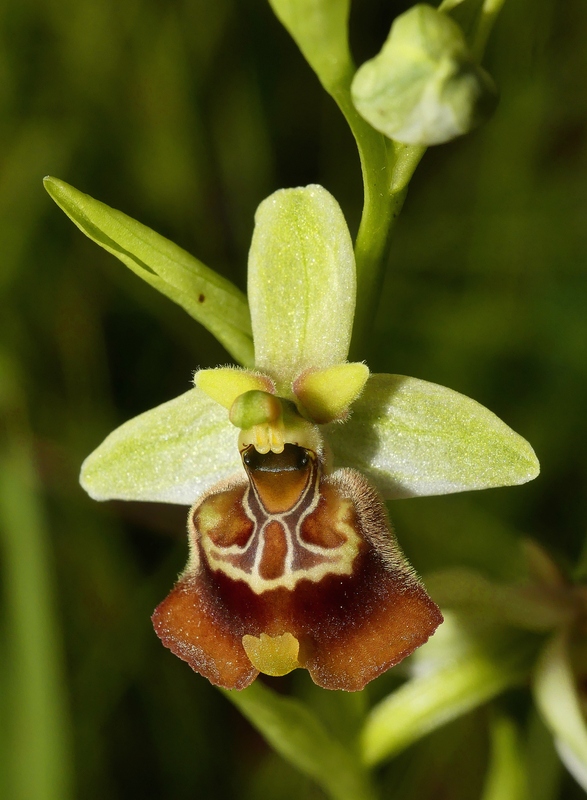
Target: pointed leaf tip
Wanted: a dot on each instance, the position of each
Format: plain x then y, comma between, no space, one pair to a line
206,296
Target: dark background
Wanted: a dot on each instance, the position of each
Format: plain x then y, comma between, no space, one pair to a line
185,115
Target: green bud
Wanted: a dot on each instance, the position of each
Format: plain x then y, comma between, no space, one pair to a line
255,408
424,87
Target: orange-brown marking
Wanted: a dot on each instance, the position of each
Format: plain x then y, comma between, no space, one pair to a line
272,563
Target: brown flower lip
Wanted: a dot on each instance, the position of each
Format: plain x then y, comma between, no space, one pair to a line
294,568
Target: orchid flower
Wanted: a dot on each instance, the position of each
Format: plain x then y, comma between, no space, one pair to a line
286,461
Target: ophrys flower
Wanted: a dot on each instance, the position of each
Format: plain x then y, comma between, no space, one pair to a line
293,561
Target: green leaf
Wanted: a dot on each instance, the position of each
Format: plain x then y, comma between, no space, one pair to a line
170,454
557,698
301,283
476,18
456,671
208,297
424,87
526,605
36,757
506,776
319,27
298,736
411,438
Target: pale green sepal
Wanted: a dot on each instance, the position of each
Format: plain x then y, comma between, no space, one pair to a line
319,28
507,772
557,698
206,296
170,454
424,87
301,284
225,384
328,393
293,731
415,438
455,673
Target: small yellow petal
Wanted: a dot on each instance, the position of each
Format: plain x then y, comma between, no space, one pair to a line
225,384
326,394
273,655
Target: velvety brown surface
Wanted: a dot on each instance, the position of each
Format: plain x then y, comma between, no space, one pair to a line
199,628
351,629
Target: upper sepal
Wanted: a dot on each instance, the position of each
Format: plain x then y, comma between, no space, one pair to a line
301,284
415,438
170,454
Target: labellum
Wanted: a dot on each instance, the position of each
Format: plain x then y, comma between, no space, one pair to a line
293,567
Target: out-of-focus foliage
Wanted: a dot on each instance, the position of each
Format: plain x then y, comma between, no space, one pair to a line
186,115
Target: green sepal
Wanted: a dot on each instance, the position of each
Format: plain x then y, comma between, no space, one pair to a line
170,454
424,87
302,284
206,296
557,698
415,438
293,731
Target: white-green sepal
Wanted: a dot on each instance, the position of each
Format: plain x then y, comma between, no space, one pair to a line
414,438
557,698
424,87
302,283
206,296
170,454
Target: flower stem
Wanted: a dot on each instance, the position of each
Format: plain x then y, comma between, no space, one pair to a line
374,236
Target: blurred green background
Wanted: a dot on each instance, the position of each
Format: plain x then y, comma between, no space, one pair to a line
185,114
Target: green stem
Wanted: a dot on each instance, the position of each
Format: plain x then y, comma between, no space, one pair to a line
295,732
489,12
320,29
386,173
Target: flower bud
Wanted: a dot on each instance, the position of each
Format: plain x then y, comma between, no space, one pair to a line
424,87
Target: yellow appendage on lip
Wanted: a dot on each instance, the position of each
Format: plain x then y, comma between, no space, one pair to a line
273,655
